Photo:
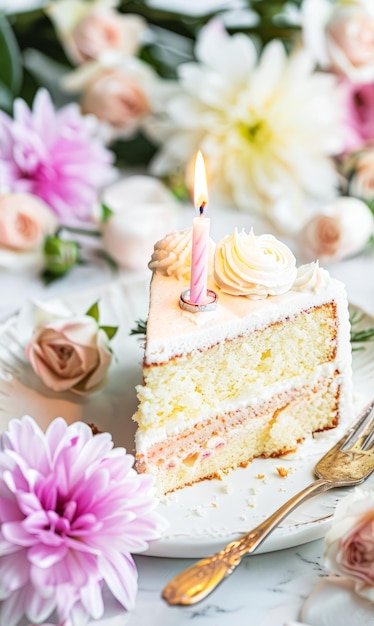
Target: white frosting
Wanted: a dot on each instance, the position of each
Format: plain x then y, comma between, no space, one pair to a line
256,267
172,255
311,277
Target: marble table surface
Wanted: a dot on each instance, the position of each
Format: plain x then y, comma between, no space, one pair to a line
267,589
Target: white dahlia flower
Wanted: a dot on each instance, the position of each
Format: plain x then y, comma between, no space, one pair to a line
267,127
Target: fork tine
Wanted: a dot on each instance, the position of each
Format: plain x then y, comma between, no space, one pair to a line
366,417
369,441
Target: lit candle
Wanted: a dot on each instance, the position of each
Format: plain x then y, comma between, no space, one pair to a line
200,237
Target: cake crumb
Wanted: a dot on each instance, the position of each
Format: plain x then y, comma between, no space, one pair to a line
282,471
167,499
213,505
225,478
198,511
253,491
282,489
260,476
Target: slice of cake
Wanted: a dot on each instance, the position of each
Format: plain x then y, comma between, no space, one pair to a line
267,368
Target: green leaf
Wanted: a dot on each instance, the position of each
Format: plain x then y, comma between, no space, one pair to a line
10,58
140,328
360,335
106,212
370,204
6,98
109,330
133,152
93,311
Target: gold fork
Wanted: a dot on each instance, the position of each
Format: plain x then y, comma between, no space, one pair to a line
348,463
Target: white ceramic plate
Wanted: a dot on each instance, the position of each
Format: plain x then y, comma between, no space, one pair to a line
204,517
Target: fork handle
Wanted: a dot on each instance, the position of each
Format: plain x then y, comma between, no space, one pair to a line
199,580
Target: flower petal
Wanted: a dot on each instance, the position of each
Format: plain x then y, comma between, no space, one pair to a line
120,574
46,556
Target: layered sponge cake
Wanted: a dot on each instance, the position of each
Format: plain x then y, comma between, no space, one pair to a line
270,366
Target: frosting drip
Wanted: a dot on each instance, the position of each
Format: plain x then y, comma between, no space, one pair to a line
255,267
172,255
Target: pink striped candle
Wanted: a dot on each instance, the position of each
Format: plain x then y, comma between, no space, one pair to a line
200,237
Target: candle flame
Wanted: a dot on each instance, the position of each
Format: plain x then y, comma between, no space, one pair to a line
200,184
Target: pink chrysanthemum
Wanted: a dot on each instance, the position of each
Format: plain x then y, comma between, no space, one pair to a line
72,509
53,155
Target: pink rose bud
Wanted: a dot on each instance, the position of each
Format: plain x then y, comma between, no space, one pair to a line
362,180
341,231
349,544
88,29
105,29
116,98
24,221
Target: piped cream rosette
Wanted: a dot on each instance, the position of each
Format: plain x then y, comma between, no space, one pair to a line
172,255
255,267
311,277
243,264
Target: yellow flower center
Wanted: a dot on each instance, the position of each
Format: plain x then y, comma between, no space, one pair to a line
257,133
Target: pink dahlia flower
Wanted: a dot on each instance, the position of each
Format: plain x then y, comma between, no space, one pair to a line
54,155
72,509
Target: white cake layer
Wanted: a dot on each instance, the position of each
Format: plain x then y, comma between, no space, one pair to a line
146,438
172,331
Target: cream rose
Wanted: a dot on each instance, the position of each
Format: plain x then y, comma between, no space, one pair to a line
340,36
342,231
69,352
24,221
349,544
87,29
350,42
143,211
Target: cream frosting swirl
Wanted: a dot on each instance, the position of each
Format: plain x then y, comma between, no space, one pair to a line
311,277
253,266
172,255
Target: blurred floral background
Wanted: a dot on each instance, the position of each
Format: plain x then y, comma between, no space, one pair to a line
105,103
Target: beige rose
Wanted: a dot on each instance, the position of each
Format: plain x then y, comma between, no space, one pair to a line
24,221
343,230
350,42
116,98
106,29
349,544
87,29
70,353
362,181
